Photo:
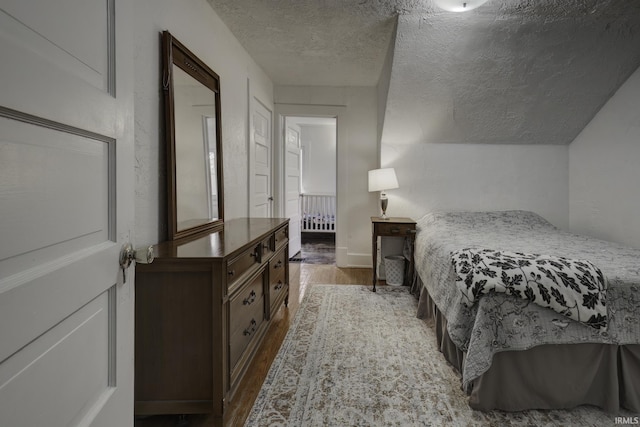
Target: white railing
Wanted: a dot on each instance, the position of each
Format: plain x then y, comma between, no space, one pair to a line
319,213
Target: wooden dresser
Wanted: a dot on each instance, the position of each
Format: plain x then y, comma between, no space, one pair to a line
202,309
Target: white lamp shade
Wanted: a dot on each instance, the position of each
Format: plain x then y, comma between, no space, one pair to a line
459,5
382,179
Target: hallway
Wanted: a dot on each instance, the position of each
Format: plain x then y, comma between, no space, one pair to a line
317,248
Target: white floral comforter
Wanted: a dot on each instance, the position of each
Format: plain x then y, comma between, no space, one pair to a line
500,322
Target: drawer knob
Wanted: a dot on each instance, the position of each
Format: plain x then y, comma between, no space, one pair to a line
279,285
250,299
278,264
231,273
251,329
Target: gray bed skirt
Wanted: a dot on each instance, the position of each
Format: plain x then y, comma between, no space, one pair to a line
547,376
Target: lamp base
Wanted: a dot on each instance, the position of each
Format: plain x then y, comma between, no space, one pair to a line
383,205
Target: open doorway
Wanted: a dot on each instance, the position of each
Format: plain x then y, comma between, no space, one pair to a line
310,187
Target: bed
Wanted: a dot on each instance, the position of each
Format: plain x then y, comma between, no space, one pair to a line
514,354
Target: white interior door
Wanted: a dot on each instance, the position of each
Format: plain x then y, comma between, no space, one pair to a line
260,162
293,186
66,208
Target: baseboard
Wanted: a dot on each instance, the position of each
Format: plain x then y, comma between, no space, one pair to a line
359,260
352,260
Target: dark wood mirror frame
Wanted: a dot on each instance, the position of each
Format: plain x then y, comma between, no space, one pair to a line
175,53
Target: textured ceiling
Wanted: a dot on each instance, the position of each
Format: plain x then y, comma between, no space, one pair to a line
315,42
510,71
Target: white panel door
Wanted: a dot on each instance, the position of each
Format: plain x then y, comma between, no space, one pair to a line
260,162
66,208
293,186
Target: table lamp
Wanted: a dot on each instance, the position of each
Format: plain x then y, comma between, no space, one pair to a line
382,180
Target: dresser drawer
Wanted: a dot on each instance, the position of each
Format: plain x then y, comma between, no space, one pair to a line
238,266
278,282
243,305
281,237
277,288
242,337
277,263
395,229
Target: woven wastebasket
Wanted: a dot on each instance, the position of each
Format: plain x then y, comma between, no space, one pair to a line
394,269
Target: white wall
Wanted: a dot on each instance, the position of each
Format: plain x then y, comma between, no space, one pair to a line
436,176
318,159
357,109
604,170
196,25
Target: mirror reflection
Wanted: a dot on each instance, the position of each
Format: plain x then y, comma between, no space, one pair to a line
195,151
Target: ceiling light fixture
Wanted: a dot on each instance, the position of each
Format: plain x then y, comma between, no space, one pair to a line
459,5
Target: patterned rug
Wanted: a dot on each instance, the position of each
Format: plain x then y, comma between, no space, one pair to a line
357,358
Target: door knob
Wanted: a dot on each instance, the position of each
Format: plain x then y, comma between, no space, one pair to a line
128,254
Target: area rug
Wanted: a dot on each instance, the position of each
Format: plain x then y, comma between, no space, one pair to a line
357,358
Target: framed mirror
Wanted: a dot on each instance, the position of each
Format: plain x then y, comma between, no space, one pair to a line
193,140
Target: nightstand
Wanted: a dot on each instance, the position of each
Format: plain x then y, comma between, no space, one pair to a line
398,227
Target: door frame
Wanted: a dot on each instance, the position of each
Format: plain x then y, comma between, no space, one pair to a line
302,110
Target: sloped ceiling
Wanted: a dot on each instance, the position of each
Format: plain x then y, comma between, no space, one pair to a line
510,71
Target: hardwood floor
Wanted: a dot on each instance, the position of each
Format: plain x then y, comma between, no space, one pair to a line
300,276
